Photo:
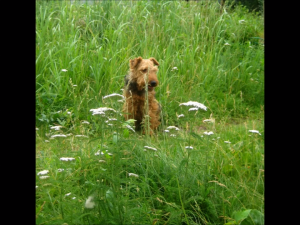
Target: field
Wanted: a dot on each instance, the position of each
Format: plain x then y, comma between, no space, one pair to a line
206,167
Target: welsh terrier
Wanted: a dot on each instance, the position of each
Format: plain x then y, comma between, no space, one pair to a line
142,72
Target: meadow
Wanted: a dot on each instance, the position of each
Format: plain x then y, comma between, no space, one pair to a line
206,167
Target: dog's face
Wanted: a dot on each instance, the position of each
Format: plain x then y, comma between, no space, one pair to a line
139,69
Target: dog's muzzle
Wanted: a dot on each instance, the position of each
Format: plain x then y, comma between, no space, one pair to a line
152,85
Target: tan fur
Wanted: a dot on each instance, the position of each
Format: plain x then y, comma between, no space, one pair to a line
134,92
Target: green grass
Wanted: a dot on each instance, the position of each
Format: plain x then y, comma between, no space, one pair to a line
213,183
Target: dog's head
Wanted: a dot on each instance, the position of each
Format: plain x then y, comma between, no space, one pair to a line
140,70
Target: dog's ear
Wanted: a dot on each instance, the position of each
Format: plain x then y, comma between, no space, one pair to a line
134,62
154,61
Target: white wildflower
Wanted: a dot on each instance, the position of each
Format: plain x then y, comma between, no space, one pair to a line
68,194
66,159
172,135
47,141
227,43
228,142
218,137
69,134
181,115
44,177
190,147
130,128
147,147
102,161
64,70
111,95
111,119
58,135
73,197
36,186
208,133
242,21
69,113
97,153
174,68
254,131
208,120
56,127
85,122
102,153
133,175
75,85
88,203
101,110
98,113
166,131
60,170
36,128
195,104
173,127
193,109
109,154
44,172
81,136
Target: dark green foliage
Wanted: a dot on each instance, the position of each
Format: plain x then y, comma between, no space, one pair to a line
251,5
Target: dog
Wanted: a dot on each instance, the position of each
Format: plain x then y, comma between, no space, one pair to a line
139,84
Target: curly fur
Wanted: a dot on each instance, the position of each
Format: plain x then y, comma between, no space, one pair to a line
134,92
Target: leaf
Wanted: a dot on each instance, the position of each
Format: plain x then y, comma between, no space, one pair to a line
255,218
126,133
230,223
109,194
115,138
240,215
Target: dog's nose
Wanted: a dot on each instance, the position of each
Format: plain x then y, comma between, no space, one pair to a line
153,83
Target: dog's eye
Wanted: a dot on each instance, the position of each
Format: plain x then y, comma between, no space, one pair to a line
144,70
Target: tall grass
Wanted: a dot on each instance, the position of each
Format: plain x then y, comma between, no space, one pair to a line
95,42
219,60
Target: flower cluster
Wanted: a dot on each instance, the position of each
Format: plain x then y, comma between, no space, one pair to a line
88,203
181,115
172,128
147,147
58,135
255,132
44,172
101,110
66,159
112,95
208,133
196,105
81,136
133,175
56,127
